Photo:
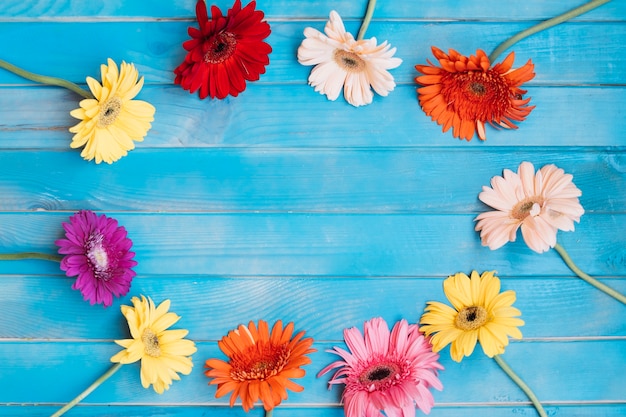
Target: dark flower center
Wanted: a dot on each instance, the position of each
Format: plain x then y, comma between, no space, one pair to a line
380,376
150,343
471,318
349,61
477,88
527,207
219,48
259,363
109,111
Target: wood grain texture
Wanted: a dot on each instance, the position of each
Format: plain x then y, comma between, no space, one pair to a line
463,383
279,204
250,121
155,48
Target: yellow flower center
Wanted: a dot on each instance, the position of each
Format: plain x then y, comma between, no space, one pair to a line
151,343
471,318
349,61
109,111
529,206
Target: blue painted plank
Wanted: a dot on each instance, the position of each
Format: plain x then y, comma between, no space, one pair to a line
274,9
322,244
567,54
278,180
295,116
322,306
557,371
182,410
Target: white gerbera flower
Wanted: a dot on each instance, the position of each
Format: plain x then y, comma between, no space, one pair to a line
357,66
540,203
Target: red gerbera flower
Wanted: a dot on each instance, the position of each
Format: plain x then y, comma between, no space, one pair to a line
465,93
225,52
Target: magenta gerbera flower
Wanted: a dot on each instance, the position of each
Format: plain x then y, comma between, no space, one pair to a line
386,371
98,252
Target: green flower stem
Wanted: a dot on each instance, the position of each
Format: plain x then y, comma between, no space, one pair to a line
269,413
88,391
520,383
367,19
546,24
43,79
29,255
587,278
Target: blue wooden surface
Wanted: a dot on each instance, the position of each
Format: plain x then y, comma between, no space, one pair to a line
278,204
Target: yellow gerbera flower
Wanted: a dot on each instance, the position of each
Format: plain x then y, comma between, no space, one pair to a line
481,313
163,353
112,120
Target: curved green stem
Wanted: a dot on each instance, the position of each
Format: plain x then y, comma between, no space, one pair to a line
88,391
520,383
367,19
545,25
588,278
29,255
43,79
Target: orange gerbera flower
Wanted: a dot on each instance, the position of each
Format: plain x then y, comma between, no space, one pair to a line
465,93
260,364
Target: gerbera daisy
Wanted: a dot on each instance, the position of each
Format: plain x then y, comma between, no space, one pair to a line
481,313
340,61
225,52
97,250
163,353
386,371
260,364
112,120
465,93
539,203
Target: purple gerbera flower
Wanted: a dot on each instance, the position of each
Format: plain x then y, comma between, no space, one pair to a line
98,251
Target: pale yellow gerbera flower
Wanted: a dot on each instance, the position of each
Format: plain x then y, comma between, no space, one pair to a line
112,120
341,62
163,353
481,313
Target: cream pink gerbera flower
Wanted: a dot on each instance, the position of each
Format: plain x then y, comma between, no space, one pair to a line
357,66
539,203
386,371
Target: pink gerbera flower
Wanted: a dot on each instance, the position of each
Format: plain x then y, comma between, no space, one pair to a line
98,252
539,203
390,372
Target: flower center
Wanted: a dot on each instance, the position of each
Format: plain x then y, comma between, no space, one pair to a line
150,343
379,375
471,318
259,363
349,61
219,48
477,88
477,95
527,207
98,256
109,111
